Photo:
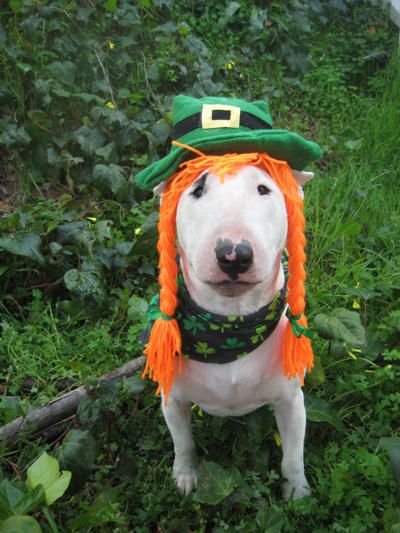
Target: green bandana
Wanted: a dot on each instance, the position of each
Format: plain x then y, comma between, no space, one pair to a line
213,338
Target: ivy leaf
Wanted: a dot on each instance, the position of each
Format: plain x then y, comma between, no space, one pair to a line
111,177
89,139
216,482
63,71
137,309
132,385
230,11
27,245
392,446
161,131
341,325
85,285
318,410
76,233
20,524
270,519
77,454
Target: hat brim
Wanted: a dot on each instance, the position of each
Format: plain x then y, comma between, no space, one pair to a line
279,144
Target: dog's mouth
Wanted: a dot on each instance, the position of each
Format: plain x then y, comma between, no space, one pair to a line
232,288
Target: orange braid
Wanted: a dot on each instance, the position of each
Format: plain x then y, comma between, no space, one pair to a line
164,348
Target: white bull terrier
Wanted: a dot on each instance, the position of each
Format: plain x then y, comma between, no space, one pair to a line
230,229
248,208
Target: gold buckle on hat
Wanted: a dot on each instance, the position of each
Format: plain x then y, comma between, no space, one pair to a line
208,122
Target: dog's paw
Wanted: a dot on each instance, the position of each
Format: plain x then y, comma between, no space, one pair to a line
185,479
295,491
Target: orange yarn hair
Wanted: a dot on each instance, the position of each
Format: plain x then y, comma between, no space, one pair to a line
164,350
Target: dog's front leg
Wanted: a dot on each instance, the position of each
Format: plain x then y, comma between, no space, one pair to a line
291,419
178,418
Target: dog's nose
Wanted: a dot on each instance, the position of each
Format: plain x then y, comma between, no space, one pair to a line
234,259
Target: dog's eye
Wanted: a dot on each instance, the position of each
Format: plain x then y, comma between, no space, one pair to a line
197,191
262,190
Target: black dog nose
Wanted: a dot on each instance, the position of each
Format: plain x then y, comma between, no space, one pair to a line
234,259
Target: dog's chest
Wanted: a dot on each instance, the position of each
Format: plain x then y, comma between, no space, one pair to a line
239,387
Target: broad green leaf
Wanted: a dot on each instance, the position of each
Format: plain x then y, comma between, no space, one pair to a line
20,524
27,245
133,385
30,501
84,285
110,5
63,71
111,177
270,519
107,152
77,454
161,131
58,487
16,5
230,11
392,446
40,118
89,139
124,247
137,308
102,230
10,495
89,412
318,410
77,233
317,374
11,407
43,471
104,509
216,482
342,325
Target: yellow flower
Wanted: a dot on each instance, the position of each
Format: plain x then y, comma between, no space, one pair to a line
111,105
92,219
230,65
138,231
111,45
356,304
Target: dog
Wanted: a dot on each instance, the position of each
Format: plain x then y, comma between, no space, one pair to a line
230,335
248,208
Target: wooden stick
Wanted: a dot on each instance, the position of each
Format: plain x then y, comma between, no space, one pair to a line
61,408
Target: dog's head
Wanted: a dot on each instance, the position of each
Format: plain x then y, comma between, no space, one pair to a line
231,232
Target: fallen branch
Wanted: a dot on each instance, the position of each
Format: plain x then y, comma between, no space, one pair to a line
62,408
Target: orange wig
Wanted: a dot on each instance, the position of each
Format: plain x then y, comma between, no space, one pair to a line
164,352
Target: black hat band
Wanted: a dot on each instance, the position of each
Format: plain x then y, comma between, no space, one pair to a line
222,118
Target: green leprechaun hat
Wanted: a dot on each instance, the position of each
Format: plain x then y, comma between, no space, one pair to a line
218,126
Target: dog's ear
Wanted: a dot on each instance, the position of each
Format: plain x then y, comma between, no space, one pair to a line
302,177
159,189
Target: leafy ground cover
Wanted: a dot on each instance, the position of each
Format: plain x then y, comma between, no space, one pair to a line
85,103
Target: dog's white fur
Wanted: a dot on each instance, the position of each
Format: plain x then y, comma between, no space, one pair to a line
235,210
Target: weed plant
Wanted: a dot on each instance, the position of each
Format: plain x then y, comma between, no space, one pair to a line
85,98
